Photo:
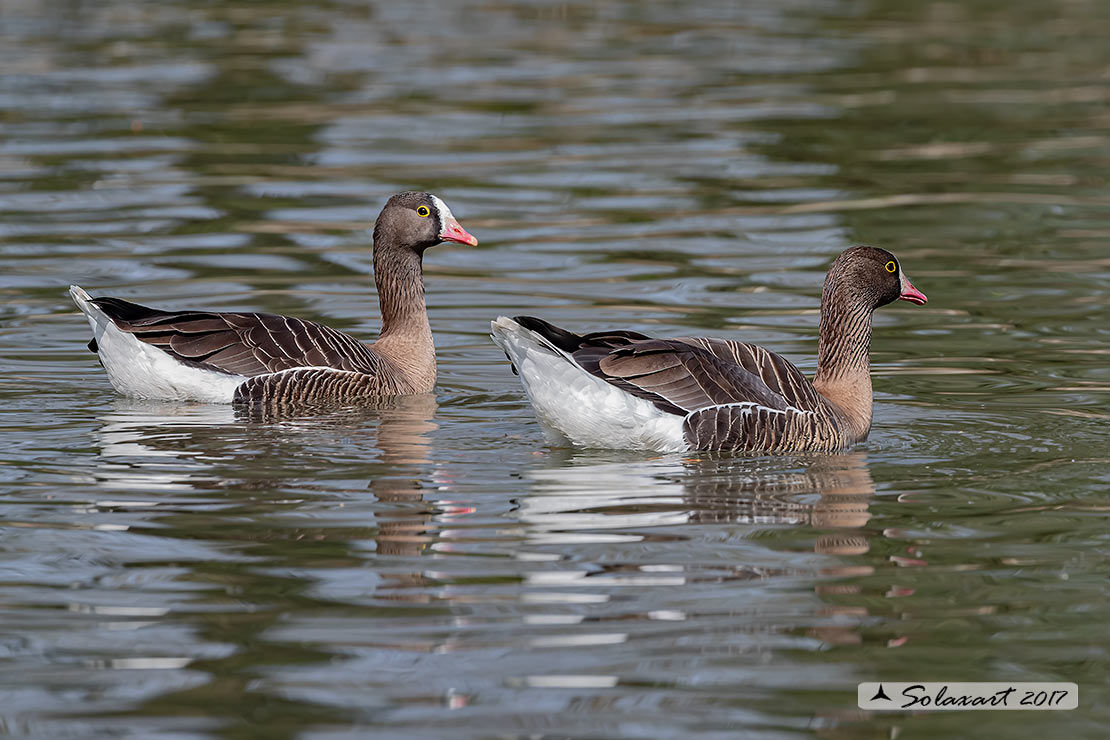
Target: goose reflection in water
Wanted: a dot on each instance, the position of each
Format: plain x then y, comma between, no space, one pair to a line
266,520
147,445
633,501
158,449
602,497
169,441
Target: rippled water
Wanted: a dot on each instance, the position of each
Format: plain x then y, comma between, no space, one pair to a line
427,567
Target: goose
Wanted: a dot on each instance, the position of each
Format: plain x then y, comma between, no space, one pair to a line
261,358
625,390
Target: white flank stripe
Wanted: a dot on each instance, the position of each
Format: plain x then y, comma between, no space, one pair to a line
748,406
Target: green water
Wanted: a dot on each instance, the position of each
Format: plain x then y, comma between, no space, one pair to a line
428,568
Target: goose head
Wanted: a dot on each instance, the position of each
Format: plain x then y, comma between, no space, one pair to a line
416,221
871,277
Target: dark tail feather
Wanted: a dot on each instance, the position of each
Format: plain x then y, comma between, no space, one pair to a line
92,346
570,342
118,310
561,338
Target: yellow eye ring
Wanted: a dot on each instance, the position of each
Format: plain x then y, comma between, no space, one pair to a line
891,267
423,211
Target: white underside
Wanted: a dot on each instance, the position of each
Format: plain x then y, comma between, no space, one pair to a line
575,406
141,370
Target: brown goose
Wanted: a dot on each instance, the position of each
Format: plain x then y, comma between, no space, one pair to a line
622,389
258,357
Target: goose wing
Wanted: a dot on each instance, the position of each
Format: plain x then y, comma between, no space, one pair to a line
684,374
687,374
247,344
734,396
775,372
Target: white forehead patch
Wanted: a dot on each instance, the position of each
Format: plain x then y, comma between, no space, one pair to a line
444,212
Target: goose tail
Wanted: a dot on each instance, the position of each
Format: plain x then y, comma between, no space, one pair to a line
142,370
98,320
517,339
572,405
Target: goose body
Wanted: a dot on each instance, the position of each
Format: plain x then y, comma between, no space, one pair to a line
257,357
626,390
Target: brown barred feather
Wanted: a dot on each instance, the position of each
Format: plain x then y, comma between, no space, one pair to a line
246,343
311,386
685,374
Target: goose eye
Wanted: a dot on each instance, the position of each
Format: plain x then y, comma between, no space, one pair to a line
423,211
891,267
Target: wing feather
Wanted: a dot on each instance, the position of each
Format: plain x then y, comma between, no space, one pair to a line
197,345
778,374
682,374
241,343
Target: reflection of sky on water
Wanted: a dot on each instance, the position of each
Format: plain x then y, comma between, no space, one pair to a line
826,492
137,450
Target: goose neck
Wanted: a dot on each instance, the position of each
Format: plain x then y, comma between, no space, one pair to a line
400,281
406,336
844,341
844,357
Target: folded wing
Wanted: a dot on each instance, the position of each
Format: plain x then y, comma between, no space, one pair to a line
247,344
733,396
687,374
